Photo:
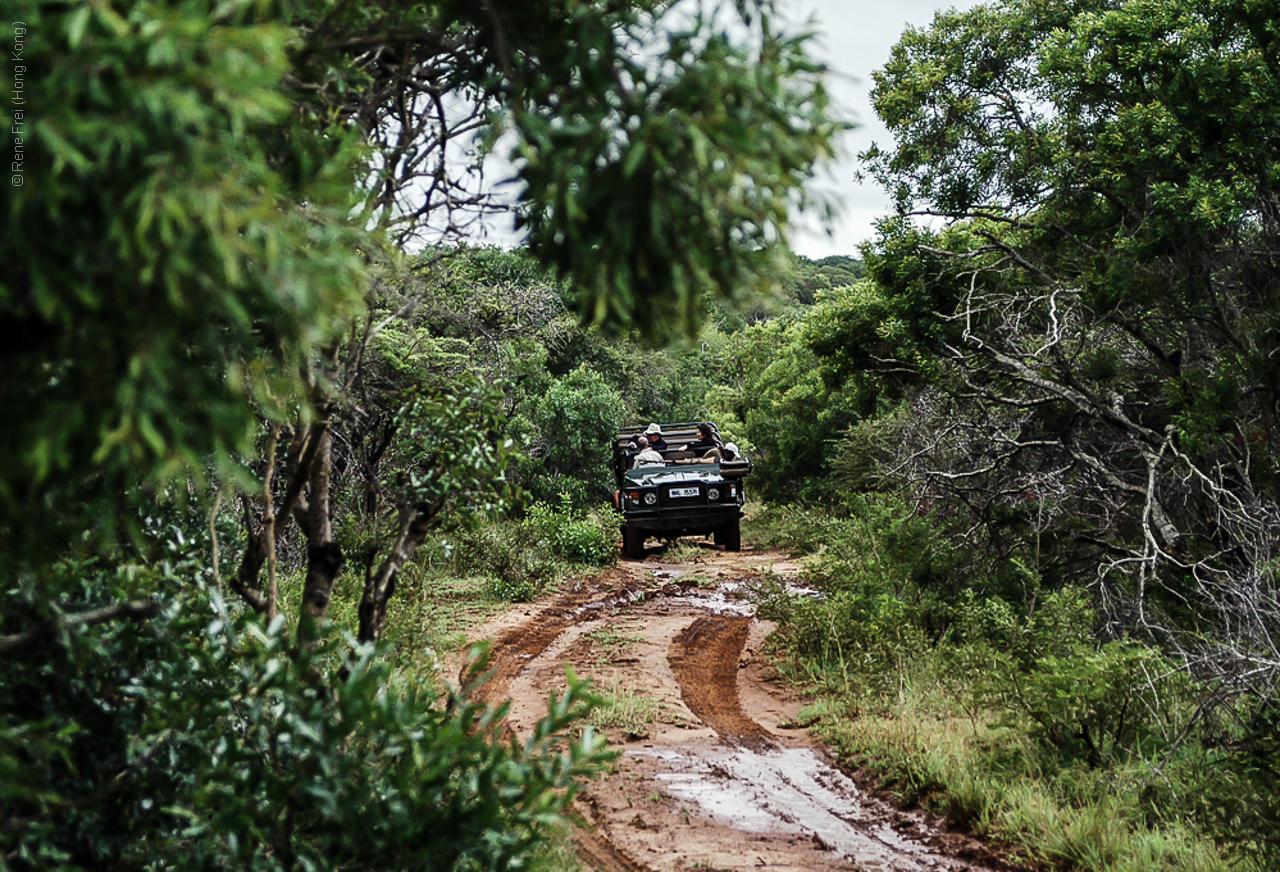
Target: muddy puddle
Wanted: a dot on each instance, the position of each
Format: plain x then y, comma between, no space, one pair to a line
794,792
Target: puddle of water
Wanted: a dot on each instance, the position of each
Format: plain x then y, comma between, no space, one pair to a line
790,791
718,602
667,571
727,598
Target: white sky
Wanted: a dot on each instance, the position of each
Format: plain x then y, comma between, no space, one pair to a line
854,39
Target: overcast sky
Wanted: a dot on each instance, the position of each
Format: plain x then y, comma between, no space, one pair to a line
855,37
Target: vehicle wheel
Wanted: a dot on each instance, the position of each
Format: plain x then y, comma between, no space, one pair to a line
633,543
730,536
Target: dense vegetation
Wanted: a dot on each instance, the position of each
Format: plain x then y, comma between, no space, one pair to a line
237,400
278,435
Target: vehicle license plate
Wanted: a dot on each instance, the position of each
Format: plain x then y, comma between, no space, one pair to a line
683,492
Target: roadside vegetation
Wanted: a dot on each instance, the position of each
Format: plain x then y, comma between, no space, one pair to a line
1006,715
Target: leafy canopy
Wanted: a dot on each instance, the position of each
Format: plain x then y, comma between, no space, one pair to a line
180,246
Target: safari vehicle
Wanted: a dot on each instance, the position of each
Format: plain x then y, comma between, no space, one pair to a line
688,494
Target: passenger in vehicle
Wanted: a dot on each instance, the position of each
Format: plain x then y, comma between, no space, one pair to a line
654,434
706,441
647,456
729,451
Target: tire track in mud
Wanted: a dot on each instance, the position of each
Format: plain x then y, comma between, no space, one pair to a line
704,658
593,847
513,649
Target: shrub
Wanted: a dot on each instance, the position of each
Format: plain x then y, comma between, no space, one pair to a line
506,554
574,534
198,740
1242,804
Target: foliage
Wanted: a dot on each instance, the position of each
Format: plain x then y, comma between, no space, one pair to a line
685,177
574,535
521,557
575,420
159,277
661,147
1097,321
883,577
207,191
202,741
450,454
796,528
1108,699
1097,703
1242,802
1106,310
1005,713
801,383
378,779
810,277
776,399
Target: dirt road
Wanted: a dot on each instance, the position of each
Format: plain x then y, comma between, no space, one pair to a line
721,776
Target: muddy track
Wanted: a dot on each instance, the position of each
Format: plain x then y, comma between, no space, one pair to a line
704,658
719,777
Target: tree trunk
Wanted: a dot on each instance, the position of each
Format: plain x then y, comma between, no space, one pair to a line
324,556
415,522
257,546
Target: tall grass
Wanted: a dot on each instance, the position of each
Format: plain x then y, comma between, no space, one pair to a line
1008,716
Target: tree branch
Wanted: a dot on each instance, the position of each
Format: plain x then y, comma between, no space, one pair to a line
136,609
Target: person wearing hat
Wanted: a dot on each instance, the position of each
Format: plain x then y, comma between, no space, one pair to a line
654,434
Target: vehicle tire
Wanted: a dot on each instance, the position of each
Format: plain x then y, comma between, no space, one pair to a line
730,536
633,543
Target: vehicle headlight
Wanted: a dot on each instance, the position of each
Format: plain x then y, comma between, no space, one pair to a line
651,499
713,494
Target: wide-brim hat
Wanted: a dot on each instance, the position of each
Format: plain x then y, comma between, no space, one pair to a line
653,428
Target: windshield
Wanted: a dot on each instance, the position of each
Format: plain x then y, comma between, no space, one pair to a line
658,474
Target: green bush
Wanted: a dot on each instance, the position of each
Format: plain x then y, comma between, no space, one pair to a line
198,740
573,423
1092,702
504,553
794,528
1053,623
1242,800
870,634
574,534
521,558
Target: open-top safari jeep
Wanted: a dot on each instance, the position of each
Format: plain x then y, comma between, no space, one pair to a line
687,494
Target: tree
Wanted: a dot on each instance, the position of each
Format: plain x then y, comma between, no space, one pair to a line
576,420
161,279
661,148
1101,307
